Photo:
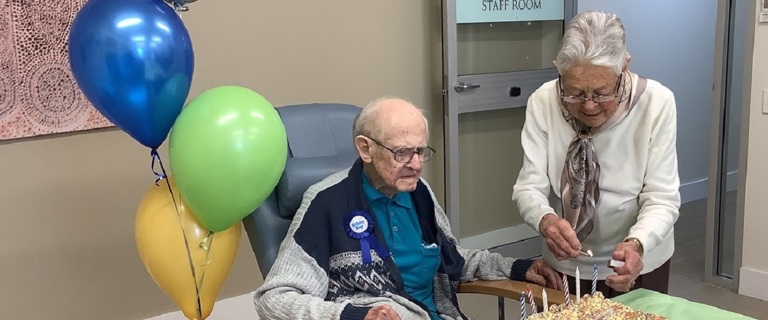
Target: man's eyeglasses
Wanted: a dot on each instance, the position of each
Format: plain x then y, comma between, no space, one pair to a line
595,99
404,155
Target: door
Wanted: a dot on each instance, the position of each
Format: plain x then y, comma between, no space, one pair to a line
726,207
496,53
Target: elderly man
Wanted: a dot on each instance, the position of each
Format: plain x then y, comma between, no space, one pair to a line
371,242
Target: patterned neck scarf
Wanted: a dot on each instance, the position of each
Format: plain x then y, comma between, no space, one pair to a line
580,180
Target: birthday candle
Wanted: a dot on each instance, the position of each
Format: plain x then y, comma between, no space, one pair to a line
567,291
578,286
531,301
544,299
594,279
523,316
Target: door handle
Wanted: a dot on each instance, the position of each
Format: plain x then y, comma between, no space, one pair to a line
461,86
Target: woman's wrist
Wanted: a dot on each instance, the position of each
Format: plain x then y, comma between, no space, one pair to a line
546,220
637,244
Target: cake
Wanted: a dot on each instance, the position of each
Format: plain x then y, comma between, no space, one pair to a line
594,307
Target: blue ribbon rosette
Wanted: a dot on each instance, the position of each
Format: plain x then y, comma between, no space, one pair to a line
359,225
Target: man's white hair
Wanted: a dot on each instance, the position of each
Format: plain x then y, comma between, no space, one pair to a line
364,124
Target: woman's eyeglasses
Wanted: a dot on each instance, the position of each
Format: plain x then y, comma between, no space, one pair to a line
595,99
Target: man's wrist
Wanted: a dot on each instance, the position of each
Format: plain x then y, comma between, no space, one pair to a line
354,312
519,269
638,245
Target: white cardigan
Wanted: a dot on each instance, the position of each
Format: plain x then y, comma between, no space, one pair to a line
639,182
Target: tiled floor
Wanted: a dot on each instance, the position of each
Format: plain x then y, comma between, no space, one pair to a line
686,280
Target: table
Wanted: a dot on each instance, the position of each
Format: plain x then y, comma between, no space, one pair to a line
511,289
674,308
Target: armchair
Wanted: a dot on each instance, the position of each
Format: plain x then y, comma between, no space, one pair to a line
319,144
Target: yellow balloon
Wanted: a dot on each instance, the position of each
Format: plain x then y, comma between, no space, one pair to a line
185,259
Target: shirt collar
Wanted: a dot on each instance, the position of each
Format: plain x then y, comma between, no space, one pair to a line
371,194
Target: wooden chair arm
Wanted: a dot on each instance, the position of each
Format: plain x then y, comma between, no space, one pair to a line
511,289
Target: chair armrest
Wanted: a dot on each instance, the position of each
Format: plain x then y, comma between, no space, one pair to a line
511,289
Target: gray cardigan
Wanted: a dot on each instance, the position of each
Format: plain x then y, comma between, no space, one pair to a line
319,272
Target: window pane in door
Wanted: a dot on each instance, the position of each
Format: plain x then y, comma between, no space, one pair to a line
507,46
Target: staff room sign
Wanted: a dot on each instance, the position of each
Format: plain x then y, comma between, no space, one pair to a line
472,11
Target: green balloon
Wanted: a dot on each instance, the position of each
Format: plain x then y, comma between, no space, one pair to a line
227,151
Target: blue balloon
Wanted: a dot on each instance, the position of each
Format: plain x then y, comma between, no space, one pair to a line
133,60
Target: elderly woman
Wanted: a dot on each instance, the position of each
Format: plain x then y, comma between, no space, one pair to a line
603,139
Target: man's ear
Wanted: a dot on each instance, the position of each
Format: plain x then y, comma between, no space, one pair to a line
363,146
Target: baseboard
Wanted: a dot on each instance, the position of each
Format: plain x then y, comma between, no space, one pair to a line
499,237
694,190
752,283
527,249
237,307
699,189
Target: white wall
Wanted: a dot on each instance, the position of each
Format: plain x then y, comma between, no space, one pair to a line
673,42
753,279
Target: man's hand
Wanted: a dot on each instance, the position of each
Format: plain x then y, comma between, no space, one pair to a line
542,274
382,312
561,239
625,276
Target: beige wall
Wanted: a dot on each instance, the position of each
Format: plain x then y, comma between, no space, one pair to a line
342,51
754,274
68,201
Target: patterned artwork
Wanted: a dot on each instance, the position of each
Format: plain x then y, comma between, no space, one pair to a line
38,94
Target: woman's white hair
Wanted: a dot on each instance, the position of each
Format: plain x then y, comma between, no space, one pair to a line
596,38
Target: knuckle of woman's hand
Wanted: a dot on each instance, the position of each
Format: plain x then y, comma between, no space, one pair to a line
552,245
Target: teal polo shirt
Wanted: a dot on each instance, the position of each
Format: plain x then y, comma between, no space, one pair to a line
418,261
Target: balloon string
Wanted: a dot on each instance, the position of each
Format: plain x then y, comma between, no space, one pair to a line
206,245
159,175
162,175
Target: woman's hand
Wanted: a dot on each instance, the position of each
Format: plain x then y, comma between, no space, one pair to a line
542,274
561,239
382,312
625,276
